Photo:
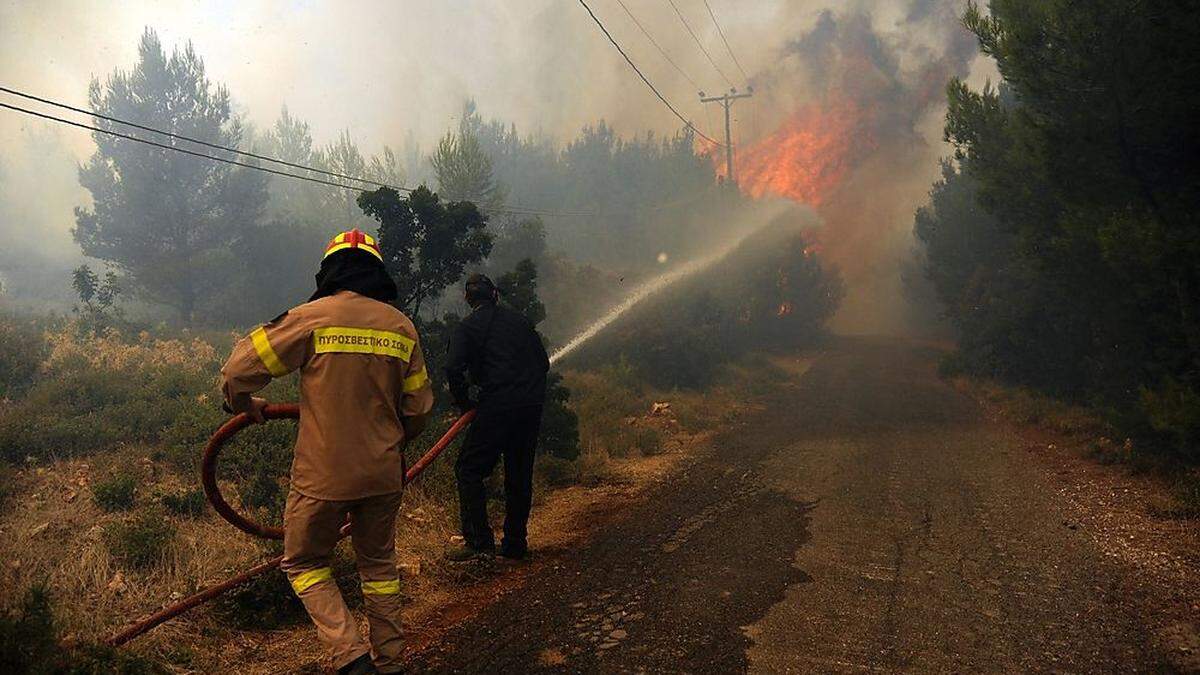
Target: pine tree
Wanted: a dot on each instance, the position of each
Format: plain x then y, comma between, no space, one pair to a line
168,222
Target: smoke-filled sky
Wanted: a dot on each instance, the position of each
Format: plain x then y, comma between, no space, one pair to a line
381,69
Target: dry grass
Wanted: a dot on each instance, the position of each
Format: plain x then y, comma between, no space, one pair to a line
51,529
52,532
1026,406
1176,491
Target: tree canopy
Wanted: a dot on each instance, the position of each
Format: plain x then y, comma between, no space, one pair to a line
1064,238
426,243
165,220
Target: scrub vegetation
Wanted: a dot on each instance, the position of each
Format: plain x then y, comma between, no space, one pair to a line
104,410
1062,236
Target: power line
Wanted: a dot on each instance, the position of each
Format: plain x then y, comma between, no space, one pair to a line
644,78
168,134
656,45
513,210
699,43
185,151
722,34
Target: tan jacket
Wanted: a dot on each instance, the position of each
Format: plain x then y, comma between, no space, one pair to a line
361,371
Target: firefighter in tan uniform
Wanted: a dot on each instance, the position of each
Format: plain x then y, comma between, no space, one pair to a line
364,392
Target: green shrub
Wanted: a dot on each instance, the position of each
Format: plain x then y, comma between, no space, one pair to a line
1173,411
641,440
29,644
27,636
952,364
595,469
83,411
259,459
1183,502
184,438
555,472
116,493
1186,493
559,436
693,414
23,347
5,484
140,542
263,603
188,504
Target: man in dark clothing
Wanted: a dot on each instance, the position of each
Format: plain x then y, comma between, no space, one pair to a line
505,359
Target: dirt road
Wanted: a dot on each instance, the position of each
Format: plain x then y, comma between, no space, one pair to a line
868,519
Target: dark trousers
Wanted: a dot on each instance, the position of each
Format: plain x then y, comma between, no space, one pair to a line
512,433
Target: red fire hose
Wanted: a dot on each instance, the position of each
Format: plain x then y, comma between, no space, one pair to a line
208,477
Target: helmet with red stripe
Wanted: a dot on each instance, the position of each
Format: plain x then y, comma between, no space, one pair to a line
355,238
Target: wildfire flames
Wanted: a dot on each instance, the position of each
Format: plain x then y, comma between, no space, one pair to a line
809,155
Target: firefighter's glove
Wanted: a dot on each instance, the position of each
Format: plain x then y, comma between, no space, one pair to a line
255,409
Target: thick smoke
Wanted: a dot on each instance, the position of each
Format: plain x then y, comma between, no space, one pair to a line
872,76
390,71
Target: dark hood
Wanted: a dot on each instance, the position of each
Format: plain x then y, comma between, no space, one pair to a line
354,270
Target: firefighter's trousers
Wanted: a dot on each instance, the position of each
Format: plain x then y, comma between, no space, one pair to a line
311,528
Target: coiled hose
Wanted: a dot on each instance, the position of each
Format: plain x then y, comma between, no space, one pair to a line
208,477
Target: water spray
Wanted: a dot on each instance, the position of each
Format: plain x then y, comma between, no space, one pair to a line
208,469
645,290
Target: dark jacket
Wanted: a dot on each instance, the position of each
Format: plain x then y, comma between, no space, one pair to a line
504,356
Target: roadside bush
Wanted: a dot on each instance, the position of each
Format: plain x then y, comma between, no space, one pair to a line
258,460
559,435
5,484
188,504
605,400
183,440
772,292
643,440
1173,411
23,346
1187,492
595,468
141,541
29,644
263,603
555,472
116,493
27,635
79,412
99,391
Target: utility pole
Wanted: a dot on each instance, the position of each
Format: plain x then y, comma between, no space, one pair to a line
727,101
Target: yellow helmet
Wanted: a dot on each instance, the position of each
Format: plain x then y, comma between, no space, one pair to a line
355,238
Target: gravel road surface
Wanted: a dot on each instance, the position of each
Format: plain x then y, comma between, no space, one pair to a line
867,519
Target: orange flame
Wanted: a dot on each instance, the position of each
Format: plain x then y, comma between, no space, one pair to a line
809,156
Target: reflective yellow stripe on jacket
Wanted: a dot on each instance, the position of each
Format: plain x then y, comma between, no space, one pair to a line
268,356
416,381
363,341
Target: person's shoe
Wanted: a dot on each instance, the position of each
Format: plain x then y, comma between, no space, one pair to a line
360,666
466,553
513,555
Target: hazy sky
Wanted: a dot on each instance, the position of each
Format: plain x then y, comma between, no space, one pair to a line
380,69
